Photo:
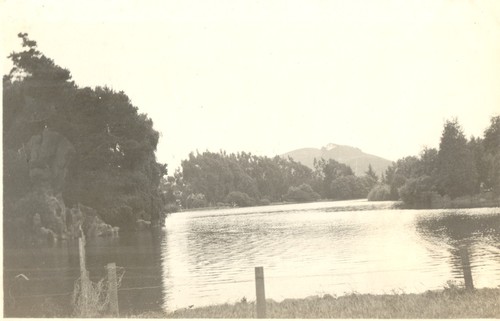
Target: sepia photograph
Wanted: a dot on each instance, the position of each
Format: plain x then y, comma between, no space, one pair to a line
310,159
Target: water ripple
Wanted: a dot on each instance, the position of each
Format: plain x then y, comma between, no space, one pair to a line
334,247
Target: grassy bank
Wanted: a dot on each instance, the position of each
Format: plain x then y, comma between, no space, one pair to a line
469,201
452,302
435,202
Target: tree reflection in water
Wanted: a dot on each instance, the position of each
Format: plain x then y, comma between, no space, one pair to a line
479,234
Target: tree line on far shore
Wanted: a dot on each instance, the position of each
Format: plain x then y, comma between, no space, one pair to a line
460,167
242,179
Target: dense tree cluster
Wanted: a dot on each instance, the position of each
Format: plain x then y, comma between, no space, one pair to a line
459,168
243,179
113,167
335,180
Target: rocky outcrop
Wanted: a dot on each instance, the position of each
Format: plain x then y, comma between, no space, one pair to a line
49,155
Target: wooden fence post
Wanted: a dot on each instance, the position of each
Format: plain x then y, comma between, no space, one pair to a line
113,290
84,277
464,255
260,292
81,248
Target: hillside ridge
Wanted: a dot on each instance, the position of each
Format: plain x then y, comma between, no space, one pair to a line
352,156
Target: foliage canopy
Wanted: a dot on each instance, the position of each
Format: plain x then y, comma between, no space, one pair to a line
113,169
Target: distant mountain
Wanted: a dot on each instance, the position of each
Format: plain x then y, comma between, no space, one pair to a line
351,156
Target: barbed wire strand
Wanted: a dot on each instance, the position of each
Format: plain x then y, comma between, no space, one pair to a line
122,278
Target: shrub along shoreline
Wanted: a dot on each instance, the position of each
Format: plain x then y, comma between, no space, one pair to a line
436,201
452,302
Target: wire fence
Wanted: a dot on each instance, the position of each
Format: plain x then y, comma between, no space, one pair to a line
185,281
135,273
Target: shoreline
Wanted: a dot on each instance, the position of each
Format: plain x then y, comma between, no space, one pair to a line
451,302
465,202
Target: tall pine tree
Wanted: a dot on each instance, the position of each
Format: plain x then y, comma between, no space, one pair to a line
457,175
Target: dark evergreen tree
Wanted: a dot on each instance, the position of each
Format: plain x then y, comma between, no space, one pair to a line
457,174
113,168
491,156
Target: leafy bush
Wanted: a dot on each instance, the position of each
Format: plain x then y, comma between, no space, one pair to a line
240,199
418,192
264,202
380,192
196,201
301,194
349,187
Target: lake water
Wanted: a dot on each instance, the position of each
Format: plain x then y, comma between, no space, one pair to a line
208,257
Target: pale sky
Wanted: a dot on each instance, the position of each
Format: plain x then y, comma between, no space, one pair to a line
269,76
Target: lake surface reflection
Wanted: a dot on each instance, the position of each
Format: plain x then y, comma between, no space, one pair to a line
208,257
318,248
51,273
